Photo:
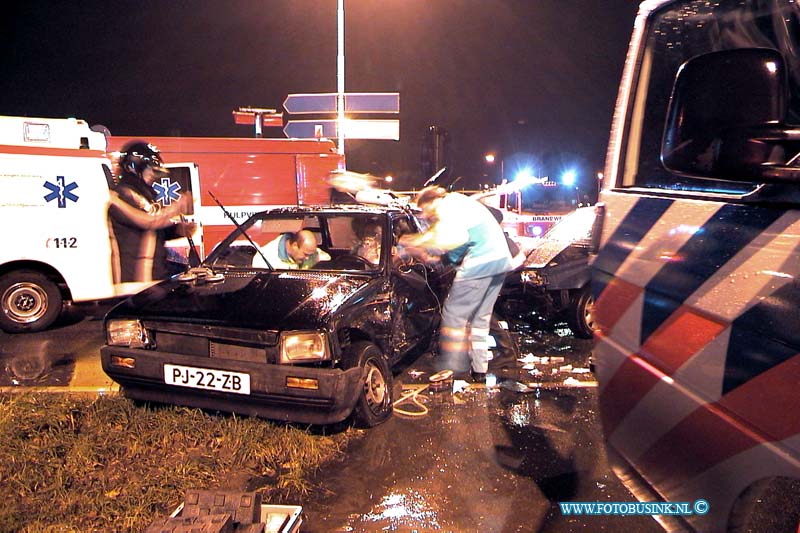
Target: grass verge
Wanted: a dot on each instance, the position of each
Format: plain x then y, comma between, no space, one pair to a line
73,463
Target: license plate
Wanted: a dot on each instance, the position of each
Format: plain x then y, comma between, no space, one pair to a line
207,378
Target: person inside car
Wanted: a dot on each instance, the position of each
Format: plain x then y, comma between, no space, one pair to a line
292,250
368,232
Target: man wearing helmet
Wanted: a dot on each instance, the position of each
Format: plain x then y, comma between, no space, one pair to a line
140,223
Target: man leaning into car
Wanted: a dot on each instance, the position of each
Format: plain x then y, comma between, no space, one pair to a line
466,234
293,250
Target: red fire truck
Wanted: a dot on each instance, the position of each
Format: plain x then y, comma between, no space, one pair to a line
531,207
246,175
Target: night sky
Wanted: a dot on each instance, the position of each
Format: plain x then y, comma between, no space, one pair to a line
534,77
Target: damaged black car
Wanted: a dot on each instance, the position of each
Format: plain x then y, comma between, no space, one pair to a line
316,345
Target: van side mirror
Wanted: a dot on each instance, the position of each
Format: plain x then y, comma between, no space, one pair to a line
726,118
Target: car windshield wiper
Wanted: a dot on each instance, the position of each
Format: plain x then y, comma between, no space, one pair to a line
239,227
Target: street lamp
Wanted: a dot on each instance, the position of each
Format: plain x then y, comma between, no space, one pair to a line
491,158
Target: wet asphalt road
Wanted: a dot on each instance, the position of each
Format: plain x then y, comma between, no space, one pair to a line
497,457
66,357
486,458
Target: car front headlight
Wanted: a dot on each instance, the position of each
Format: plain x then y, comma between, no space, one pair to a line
303,346
130,333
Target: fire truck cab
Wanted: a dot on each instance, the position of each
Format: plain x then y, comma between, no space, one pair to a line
532,208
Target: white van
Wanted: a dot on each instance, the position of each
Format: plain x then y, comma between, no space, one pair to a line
697,278
54,194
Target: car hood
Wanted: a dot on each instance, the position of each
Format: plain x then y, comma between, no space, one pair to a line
265,300
573,228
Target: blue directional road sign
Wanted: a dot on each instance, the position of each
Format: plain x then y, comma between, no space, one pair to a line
353,103
310,129
353,129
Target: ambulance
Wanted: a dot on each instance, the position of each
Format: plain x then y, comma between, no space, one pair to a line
55,180
54,194
697,273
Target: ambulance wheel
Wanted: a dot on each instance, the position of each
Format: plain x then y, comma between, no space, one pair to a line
29,301
580,314
374,403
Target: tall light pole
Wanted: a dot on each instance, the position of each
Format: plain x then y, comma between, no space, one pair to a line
340,77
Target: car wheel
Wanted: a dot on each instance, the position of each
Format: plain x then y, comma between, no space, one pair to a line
374,403
29,301
580,315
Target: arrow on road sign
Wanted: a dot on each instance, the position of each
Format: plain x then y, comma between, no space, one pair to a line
310,129
353,103
353,129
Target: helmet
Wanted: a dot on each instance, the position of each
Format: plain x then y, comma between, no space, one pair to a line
137,156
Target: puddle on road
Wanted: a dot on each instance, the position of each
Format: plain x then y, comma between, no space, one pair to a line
64,357
35,362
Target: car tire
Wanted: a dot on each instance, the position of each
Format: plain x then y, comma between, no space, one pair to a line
374,404
29,301
580,313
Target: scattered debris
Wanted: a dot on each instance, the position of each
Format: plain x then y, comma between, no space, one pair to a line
460,385
209,510
514,386
441,380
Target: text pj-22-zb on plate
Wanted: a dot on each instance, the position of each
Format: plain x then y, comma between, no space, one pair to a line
207,378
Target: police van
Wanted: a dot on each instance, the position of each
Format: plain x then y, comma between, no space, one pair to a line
697,275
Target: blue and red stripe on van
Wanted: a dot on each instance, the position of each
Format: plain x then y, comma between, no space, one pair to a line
671,332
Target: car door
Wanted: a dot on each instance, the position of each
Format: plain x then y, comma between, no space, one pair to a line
417,293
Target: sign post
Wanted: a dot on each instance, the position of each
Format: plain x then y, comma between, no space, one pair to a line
340,74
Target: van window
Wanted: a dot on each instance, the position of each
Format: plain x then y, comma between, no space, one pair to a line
678,33
172,187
